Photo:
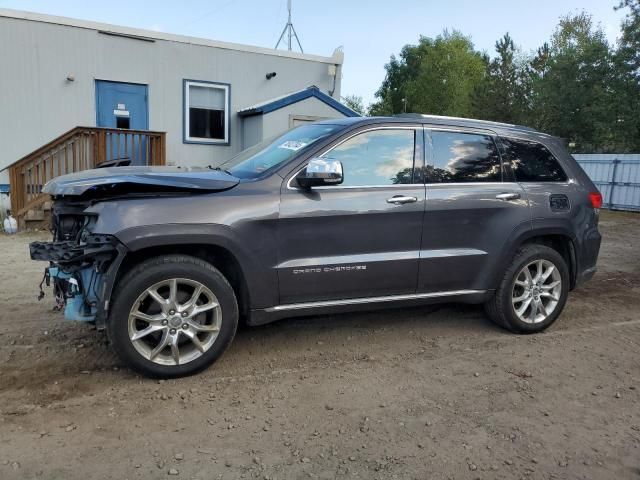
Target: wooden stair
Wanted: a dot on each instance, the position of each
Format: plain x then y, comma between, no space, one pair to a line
81,148
37,218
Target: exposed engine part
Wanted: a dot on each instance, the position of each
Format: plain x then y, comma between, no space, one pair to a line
76,292
68,222
46,278
76,268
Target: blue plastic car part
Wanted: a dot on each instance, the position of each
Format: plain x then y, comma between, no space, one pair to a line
81,299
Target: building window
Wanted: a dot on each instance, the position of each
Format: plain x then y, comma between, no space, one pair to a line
206,116
122,122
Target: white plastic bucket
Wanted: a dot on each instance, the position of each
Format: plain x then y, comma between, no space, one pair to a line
10,225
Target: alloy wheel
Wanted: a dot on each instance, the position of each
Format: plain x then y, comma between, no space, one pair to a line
536,291
174,321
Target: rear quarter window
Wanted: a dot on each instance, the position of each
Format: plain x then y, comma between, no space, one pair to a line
532,161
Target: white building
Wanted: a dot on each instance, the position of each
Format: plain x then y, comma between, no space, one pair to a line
211,98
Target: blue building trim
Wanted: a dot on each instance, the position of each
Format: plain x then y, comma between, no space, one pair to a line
4,188
297,97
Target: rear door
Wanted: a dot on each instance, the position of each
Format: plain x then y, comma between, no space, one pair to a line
541,176
361,238
472,208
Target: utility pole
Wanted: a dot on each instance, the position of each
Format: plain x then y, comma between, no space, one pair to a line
289,31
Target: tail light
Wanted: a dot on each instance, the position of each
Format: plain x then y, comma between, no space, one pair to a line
596,199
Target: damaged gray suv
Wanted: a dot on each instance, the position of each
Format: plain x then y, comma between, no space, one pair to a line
334,216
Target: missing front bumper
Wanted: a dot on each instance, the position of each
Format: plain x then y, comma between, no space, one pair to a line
96,249
80,274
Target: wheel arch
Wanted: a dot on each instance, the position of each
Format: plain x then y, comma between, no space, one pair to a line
557,237
218,256
564,245
216,244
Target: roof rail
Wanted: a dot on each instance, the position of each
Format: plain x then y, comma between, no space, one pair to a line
469,120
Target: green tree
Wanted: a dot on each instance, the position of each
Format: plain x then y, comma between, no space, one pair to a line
629,47
355,103
626,83
575,86
537,68
571,85
436,76
502,95
539,64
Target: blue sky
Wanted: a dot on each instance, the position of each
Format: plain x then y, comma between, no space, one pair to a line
369,31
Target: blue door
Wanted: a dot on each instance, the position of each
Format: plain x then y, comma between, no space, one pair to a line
124,106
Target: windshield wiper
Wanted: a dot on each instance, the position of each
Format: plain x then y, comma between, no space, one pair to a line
221,170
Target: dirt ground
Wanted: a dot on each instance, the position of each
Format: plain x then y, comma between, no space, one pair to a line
424,393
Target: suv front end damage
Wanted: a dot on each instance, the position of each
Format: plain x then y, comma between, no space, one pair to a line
82,265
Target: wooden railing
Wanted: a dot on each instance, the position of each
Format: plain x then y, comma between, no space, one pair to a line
81,148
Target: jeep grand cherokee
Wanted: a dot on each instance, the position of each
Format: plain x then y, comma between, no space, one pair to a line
329,217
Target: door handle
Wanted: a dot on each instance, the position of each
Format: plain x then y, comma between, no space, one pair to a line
401,200
508,196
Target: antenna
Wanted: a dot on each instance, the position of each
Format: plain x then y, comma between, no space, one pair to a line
289,31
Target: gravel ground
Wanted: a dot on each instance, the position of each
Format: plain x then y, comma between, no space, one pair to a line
413,393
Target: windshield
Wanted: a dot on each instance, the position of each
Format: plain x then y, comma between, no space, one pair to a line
256,160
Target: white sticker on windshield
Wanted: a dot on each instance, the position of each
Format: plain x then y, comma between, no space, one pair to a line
292,145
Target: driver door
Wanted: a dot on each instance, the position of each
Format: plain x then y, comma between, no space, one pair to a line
360,238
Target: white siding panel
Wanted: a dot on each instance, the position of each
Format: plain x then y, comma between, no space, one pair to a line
38,103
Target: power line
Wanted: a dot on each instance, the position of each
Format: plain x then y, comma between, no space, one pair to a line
206,14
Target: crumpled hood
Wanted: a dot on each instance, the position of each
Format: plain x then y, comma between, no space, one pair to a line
102,181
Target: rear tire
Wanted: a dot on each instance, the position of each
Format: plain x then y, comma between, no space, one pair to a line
172,316
533,291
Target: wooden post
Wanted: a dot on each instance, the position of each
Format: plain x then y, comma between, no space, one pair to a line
102,146
13,176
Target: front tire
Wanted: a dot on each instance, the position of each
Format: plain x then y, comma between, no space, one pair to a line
172,316
532,292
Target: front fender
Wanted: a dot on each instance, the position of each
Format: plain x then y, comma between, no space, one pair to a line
260,279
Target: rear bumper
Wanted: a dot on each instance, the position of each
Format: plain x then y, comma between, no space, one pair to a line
585,275
587,256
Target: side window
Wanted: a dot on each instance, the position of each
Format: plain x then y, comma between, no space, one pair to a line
377,157
463,157
532,161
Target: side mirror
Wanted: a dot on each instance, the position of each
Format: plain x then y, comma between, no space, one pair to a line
319,172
